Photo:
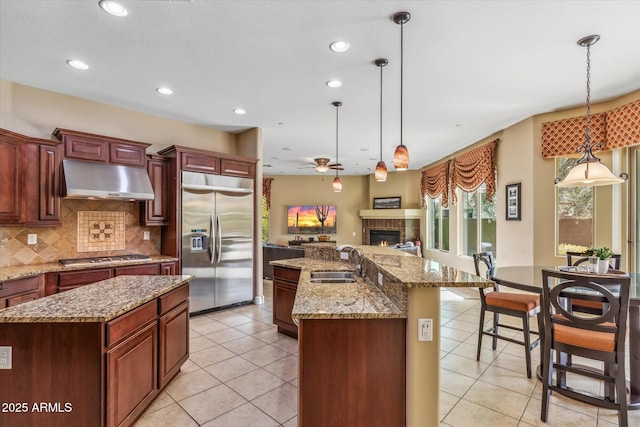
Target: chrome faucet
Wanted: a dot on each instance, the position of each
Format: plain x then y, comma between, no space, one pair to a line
359,256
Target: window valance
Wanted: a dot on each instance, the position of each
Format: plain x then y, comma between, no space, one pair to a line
266,190
467,171
435,181
473,168
616,128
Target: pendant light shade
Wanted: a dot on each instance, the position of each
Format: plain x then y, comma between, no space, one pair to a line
337,182
401,155
380,173
588,170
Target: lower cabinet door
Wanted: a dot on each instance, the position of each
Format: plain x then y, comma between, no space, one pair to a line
132,368
284,295
174,341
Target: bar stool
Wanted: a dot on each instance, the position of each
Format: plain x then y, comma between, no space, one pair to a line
522,306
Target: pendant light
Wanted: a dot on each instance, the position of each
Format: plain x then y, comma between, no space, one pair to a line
401,155
380,173
588,170
337,183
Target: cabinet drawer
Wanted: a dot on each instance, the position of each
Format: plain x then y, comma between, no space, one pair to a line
19,299
174,298
286,274
197,162
19,286
74,279
141,270
237,168
128,323
125,154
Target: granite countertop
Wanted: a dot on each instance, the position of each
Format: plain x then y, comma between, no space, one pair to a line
363,299
21,271
97,302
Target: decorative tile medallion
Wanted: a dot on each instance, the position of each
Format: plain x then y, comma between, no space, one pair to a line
100,231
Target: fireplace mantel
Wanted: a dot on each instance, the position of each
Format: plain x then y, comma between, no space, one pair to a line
391,213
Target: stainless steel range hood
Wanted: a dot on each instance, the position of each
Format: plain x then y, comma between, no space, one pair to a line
86,180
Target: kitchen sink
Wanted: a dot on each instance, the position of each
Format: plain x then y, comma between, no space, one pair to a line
332,277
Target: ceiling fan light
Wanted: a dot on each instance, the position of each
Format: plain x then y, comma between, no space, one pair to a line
322,168
337,184
590,174
381,172
401,158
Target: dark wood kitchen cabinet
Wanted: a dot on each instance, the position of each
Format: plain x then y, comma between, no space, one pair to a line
285,285
154,212
139,270
67,280
14,292
169,268
174,333
100,148
29,181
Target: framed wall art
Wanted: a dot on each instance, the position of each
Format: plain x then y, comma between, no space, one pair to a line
386,203
513,202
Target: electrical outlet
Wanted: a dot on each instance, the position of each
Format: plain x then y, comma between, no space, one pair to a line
146,235
380,279
5,357
344,255
354,234
425,329
32,239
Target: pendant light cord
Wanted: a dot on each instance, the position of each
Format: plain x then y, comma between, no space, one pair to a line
401,76
381,113
337,161
587,132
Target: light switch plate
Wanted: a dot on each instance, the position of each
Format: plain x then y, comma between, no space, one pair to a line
380,279
344,255
425,329
5,357
146,235
32,239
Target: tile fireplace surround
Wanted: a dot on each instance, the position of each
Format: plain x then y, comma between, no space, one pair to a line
409,228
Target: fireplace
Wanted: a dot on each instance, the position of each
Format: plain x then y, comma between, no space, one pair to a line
384,237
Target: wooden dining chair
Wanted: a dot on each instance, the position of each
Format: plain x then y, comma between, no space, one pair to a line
577,258
521,305
597,337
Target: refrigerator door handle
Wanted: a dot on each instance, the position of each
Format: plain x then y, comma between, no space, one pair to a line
219,244
212,246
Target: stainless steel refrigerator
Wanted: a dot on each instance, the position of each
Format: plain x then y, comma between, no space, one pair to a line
217,239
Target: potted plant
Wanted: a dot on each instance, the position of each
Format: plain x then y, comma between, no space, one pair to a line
603,255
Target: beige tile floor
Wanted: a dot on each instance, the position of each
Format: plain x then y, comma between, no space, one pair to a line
242,373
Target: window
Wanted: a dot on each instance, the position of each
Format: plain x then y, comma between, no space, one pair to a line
478,222
438,225
574,207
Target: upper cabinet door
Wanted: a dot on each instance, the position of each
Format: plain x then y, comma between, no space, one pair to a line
127,154
49,200
155,212
10,177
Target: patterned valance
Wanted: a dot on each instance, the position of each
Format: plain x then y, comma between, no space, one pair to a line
562,137
266,190
473,168
434,182
617,128
467,171
623,126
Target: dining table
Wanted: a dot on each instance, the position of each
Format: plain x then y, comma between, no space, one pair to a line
529,279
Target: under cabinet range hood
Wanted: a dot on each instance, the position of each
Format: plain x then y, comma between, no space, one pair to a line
86,180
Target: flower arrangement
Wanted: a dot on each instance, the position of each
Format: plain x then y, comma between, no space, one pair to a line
602,253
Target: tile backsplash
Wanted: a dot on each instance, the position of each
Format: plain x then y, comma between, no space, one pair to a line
56,243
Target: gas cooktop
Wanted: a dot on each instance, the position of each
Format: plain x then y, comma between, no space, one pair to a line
103,259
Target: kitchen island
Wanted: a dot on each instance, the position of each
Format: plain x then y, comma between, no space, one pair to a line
359,345
93,356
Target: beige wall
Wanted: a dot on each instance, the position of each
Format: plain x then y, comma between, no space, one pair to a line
313,190
532,240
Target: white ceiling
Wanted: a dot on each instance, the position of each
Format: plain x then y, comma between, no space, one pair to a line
471,68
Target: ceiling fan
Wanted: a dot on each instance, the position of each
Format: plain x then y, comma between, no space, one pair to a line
322,165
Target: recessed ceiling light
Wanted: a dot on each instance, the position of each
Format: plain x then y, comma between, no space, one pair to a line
164,90
77,64
334,83
339,46
240,111
113,8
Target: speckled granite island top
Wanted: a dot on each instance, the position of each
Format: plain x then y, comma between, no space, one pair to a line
20,271
97,302
363,299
